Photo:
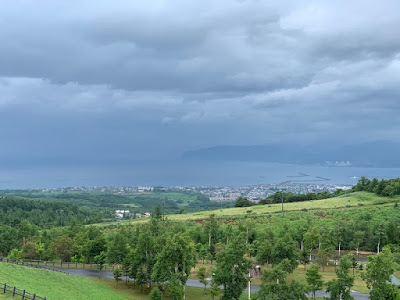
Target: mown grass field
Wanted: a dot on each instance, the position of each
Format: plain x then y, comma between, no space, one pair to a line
55,285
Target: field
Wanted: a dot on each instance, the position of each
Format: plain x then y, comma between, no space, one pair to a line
351,200
55,285
354,200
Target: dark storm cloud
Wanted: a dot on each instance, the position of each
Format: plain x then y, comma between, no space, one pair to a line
94,80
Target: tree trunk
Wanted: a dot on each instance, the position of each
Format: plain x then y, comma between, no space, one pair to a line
379,243
339,247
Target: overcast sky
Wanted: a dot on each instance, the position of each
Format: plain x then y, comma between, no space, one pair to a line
86,82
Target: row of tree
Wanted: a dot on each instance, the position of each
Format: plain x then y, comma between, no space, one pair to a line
384,187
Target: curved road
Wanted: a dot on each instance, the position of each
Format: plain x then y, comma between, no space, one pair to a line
190,282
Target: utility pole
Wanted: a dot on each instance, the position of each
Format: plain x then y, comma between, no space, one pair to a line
163,210
282,203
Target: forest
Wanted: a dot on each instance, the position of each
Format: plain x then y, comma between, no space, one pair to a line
162,252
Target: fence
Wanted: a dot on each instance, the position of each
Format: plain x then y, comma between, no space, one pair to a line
45,263
18,292
27,264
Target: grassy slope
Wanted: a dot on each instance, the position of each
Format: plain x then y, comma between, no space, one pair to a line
351,200
355,199
54,285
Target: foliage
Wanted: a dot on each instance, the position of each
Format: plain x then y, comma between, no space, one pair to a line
377,276
117,274
155,294
384,187
232,268
340,288
214,290
278,197
174,289
202,276
275,284
44,214
314,279
243,202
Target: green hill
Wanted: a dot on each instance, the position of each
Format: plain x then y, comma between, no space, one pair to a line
356,199
55,285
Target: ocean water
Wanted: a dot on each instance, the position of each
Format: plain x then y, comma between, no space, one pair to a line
184,173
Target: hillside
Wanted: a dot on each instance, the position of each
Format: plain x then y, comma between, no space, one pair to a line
357,199
55,285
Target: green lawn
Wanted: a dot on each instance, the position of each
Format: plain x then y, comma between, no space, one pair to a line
55,285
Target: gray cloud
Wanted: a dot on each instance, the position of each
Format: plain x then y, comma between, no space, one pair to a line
97,81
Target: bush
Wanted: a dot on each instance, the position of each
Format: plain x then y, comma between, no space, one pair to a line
155,294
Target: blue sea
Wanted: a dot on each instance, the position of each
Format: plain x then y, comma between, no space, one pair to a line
185,173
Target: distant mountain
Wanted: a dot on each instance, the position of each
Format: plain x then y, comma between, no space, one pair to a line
371,154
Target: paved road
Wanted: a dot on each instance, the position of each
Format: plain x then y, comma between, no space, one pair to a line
190,282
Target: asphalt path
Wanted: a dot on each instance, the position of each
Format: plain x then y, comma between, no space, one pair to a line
190,282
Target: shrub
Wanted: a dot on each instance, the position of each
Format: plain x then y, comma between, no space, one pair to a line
155,294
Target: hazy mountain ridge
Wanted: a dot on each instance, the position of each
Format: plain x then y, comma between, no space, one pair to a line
371,154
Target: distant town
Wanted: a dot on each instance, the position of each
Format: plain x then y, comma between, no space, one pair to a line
215,193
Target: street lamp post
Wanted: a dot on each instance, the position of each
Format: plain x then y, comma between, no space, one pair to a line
249,286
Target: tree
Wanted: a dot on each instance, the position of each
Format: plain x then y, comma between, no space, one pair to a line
202,275
304,259
175,261
100,260
340,288
63,247
275,285
117,274
175,289
157,214
311,239
243,202
264,252
214,290
377,276
96,247
358,238
14,254
314,279
232,268
211,229
353,260
141,277
155,294
40,248
286,247
28,250
118,248
323,257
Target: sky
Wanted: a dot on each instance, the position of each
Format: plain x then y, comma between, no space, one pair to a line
89,83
